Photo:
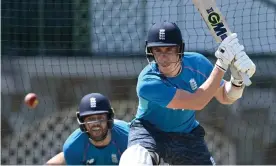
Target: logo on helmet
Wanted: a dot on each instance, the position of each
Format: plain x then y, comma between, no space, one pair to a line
162,34
93,102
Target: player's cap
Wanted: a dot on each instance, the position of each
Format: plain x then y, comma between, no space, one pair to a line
164,34
94,103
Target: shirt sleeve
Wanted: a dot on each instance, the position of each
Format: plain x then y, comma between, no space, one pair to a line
206,67
120,132
156,91
71,155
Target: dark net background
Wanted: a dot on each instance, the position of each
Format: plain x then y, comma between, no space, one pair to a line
64,49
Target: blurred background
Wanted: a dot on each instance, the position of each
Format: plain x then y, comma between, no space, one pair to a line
64,49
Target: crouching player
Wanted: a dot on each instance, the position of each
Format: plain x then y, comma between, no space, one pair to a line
100,139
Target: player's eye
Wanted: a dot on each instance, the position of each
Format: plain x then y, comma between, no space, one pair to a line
156,50
96,121
172,49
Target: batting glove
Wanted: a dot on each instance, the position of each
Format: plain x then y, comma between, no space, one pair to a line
242,63
227,50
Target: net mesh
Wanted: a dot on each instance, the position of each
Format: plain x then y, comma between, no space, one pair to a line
64,49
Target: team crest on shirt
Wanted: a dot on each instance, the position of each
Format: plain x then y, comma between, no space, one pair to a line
114,158
193,84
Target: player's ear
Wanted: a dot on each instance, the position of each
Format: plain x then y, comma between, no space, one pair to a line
112,114
80,122
178,49
111,118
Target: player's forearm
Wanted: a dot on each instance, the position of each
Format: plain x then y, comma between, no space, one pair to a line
229,93
226,98
222,97
209,88
57,160
232,92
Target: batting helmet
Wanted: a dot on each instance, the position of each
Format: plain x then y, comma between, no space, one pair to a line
92,104
164,34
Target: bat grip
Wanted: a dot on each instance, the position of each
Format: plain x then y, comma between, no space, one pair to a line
246,80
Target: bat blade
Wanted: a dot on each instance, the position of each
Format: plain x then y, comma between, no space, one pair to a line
216,23
213,18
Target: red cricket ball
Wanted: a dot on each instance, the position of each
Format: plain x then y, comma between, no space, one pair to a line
31,100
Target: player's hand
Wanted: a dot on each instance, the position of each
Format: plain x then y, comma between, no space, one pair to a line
242,63
227,50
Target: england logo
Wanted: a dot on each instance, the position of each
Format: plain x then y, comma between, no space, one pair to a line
92,102
162,34
193,84
114,158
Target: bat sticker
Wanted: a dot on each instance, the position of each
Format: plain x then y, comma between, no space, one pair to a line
217,25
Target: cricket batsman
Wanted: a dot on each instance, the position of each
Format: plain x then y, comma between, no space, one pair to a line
100,139
171,88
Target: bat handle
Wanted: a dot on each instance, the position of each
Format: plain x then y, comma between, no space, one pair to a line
246,80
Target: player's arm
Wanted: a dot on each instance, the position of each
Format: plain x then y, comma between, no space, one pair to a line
226,52
224,98
198,100
155,90
57,160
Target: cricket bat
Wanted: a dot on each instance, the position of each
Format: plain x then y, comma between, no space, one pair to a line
216,24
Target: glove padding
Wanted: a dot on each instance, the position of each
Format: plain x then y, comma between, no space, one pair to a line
242,63
227,50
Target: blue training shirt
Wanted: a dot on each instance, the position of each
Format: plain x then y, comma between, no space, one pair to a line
155,93
79,151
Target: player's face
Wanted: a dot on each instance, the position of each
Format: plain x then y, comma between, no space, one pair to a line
166,57
96,126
